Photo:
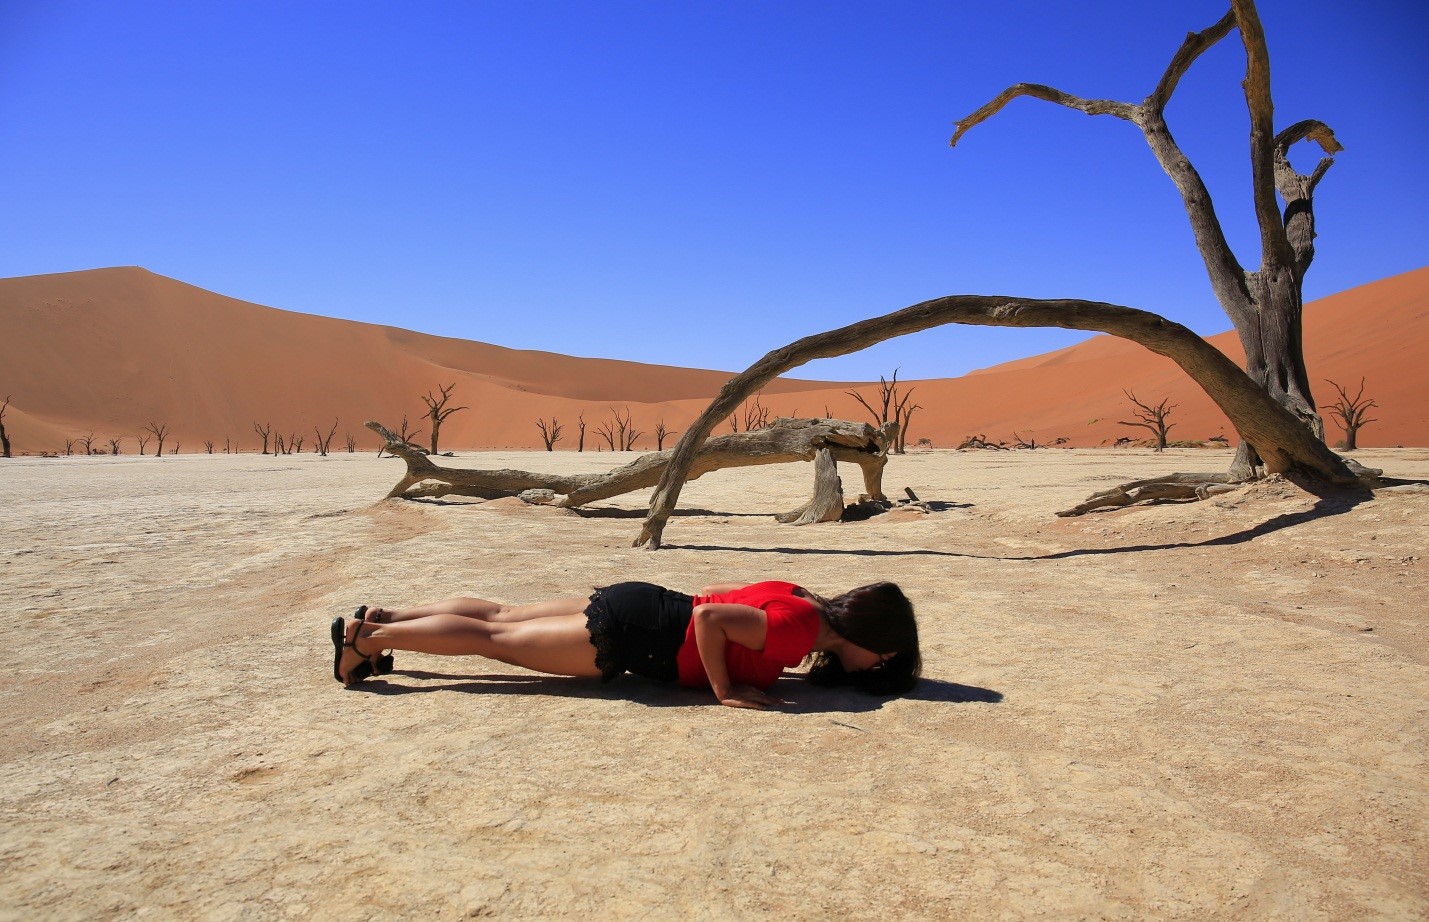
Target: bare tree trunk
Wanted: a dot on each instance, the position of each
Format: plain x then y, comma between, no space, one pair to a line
1285,443
787,440
4,439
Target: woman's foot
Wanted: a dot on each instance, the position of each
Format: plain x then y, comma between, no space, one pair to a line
350,665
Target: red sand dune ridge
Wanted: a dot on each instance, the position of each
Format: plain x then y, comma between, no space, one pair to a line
109,351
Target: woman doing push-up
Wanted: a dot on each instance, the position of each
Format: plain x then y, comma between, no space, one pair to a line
733,638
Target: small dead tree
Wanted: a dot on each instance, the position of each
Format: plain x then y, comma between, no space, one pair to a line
4,437
1152,418
550,434
69,447
351,444
580,428
892,407
114,446
324,441
660,434
405,434
87,441
607,431
227,445
438,411
175,449
756,414
627,431
143,441
1351,411
208,445
295,444
1019,442
264,432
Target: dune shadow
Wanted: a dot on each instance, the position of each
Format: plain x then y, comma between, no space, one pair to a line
801,697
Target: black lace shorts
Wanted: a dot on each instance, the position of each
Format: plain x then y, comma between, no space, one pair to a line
639,628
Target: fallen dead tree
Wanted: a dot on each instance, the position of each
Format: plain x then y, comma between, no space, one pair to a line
823,441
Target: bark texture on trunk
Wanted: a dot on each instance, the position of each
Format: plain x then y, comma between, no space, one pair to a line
1265,305
824,441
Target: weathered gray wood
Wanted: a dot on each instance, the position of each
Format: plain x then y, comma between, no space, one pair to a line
787,440
1266,305
827,504
1288,444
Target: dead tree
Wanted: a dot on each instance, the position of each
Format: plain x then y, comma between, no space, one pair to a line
69,448
1351,412
295,444
756,414
1152,418
626,432
351,444
143,441
785,440
660,434
980,441
408,436
1267,404
277,445
438,411
4,437
227,445
891,408
607,432
1285,444
262,431
88,442
1265,305
114,446
550,434
324,441
1019,442
580,429
175,449
208,445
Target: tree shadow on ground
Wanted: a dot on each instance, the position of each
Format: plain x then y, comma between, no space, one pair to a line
1331,503
799,695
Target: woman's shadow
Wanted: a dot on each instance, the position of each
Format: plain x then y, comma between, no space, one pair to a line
799,696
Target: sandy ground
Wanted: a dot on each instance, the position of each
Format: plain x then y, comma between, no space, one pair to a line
1180,711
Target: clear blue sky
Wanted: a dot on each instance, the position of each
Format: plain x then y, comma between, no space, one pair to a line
686,182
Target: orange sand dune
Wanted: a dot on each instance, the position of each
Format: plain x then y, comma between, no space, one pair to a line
109,351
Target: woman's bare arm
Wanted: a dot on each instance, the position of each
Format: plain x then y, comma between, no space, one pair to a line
717,623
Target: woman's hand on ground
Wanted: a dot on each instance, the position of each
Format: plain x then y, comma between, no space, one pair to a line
747,696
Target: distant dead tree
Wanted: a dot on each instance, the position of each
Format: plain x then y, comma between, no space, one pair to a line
660,433
607,431
580,428
175,449
263,431
227,445
1152,418
438,411
549,434
295,444
1019,442
351,444
756,414
324,442
114,446
88,442
277,444
4,438
627,433
405,434
980,441
143,441
69,447
1351,411
208,445
892,407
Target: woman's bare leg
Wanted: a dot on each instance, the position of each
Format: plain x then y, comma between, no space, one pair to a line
557,644
480,609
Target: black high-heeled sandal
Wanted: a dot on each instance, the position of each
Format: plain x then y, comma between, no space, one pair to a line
363,670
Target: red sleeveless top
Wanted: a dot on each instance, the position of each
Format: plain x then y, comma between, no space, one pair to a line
793,627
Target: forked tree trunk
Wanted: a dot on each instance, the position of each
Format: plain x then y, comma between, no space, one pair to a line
823,441
1285,444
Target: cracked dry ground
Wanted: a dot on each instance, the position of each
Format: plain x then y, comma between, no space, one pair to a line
1179,711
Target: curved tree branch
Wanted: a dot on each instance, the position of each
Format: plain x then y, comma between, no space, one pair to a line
1051,94
1298,190
1192,48
1282,441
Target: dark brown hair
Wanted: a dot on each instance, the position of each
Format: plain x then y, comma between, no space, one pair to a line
879,618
